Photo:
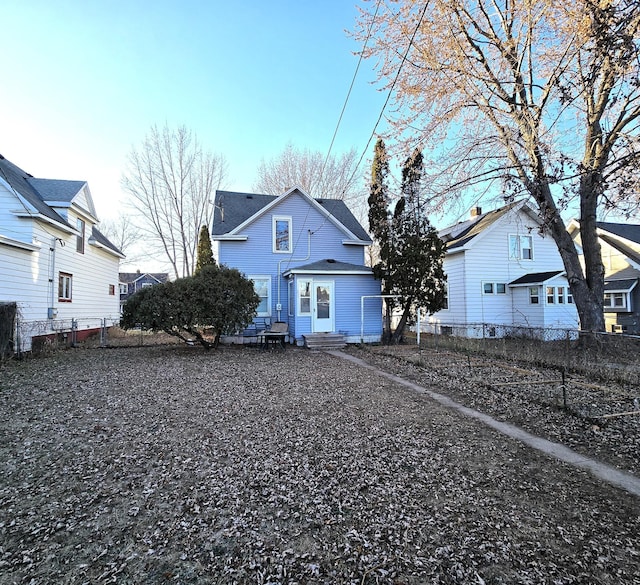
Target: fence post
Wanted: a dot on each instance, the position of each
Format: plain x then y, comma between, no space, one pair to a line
74,332
418,328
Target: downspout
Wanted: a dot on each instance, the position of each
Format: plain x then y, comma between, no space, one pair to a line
52,272
278,304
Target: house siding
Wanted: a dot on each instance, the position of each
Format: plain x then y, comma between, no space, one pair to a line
255,256
486,260
31,278
314,238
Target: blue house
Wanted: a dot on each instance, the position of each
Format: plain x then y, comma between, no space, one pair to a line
305,257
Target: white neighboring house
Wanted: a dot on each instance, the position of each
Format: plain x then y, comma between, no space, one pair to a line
620,250
503,273
54,262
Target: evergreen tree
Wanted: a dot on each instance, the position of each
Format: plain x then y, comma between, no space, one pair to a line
205,254
379,224
415,261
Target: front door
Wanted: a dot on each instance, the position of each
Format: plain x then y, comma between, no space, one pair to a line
323,306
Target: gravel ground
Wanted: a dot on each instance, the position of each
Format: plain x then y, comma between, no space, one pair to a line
175,465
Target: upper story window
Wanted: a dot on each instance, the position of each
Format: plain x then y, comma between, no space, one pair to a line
124,288
281,234
520,247
80,225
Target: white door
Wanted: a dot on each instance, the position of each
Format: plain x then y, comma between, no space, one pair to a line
323,306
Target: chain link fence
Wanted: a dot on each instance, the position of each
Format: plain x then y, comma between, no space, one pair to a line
608,356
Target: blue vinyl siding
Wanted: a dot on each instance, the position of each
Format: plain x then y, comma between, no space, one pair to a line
255,256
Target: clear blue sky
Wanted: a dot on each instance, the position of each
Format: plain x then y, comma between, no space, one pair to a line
84,81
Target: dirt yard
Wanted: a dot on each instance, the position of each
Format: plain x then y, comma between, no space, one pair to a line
175,465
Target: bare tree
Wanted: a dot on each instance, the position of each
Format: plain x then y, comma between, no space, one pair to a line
318,175
123,233
172,182
540,98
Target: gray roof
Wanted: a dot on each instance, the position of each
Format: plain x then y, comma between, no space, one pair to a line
133,276
456,236
20,181
99,237
625,284
232,209
57,190
628,231
331,265
535,277
37,191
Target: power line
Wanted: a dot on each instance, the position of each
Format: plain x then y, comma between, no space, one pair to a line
404,58
353,80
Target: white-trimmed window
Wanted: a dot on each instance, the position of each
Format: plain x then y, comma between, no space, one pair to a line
80,226
262,286
124,288
281,234
615,300
534,295
501,288
551,295
304,297
487,288
520,247
65,280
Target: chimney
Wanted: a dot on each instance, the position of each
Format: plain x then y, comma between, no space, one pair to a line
476,211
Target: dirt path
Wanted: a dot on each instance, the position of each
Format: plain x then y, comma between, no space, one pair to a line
157,465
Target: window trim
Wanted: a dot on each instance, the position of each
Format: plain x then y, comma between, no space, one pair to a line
299,297
534,293
612,306
80,240
266,277
484,285
274,224
65,287
518,256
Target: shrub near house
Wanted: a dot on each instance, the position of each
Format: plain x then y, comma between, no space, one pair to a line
217,297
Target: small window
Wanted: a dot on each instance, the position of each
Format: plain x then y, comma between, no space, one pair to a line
501,288
551,295
146,284
282,234
569,296
561,295
80,226
304,297
262,286
64,287
615,300
534,295
124,289
112,289
487,288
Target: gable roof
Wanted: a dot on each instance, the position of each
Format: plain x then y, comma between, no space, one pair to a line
20,182
535,278
127,277
233,209
460,234
39,194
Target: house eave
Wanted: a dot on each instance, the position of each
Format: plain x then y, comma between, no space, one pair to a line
346,272
5,241
95,243
230,238
44,219
356,242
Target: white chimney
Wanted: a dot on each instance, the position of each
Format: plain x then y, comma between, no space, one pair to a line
476,211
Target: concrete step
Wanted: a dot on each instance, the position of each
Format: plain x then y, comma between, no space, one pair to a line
324,341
